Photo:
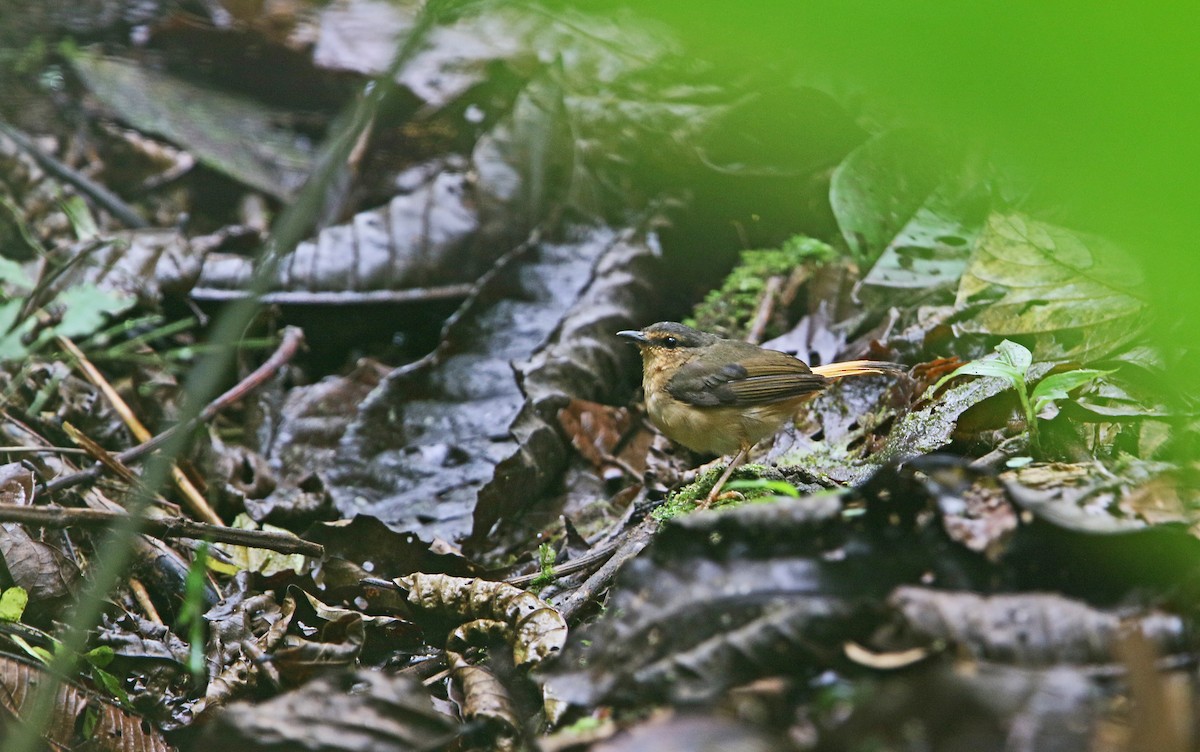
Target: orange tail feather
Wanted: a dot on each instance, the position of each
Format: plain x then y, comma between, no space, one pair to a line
857,367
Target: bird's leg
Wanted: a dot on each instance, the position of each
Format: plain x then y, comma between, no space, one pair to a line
716,489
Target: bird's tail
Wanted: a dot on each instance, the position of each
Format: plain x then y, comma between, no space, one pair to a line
857,367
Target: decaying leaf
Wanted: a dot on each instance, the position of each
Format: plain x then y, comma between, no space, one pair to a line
244,627
1075,295
427,235
347,712
458,441
595,429
79,719
261,560
487,700
145,265
1028,629
538,631
1091,498
690,627
45,572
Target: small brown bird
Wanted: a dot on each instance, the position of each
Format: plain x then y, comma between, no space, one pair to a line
722,396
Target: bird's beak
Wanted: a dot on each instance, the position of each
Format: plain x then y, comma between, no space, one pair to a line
636,336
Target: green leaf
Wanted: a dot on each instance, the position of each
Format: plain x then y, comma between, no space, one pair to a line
12,603
100,656
235,135
878,189
38,654
1072,294
82,220
1057,386
1015,355
86,308
776,487
112,684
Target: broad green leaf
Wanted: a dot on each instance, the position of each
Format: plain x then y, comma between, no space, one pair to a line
879,188
932,250
1011,363
1073,294
992,367
112,684
12,603
1058,385
86,308
11,345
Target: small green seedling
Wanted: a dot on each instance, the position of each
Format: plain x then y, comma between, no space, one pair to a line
546,557
1011,363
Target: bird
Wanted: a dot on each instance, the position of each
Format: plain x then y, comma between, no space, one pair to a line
722,396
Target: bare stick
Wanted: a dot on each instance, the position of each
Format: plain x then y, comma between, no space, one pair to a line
159,527
93,190
630,546
766,308
195,500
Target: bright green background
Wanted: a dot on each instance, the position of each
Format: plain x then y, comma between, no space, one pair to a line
1097,101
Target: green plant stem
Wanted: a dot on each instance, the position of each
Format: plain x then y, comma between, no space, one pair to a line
1031,424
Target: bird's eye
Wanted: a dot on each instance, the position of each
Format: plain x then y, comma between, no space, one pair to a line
670,343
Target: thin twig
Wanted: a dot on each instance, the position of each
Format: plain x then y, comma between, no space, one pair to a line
93,190
290,344
195,500
766,308
159,527
592,558
630,546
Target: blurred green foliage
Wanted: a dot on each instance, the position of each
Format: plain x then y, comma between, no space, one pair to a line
1095,103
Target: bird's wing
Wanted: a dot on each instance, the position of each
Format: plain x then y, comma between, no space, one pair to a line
762,377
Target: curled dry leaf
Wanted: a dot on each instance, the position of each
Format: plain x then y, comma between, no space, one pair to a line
474,632
43,570
486,699
538,631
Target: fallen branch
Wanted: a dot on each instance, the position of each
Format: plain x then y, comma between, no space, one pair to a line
159,527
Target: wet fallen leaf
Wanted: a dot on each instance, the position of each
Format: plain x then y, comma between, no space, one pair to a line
348,712
234,135
1027,629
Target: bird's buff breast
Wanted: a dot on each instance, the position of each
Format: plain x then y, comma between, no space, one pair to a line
715,430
